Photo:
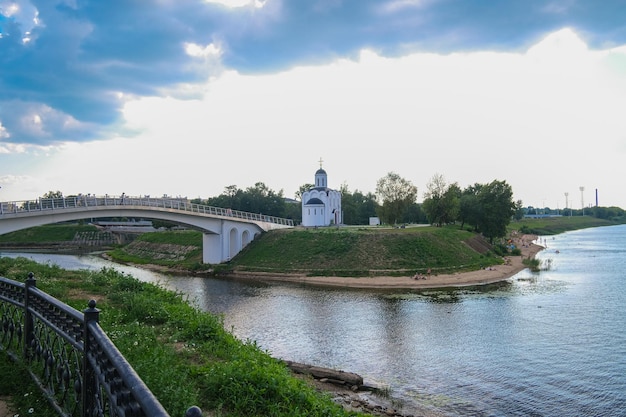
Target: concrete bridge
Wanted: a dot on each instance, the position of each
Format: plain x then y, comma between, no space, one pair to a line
225,231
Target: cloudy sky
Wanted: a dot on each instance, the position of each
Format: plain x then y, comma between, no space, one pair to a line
185,98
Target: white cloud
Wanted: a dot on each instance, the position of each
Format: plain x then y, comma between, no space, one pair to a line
24,14
547,122
3,132
9,9
238,3
209,51
395,6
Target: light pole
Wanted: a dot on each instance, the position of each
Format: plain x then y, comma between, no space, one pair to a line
582,200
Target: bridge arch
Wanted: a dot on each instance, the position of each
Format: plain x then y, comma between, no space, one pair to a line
234,242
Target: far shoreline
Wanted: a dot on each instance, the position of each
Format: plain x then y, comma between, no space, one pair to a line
497,273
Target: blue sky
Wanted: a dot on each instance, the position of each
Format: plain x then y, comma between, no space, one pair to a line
188,97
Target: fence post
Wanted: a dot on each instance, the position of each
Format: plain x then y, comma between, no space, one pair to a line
31,282
193,411
89,388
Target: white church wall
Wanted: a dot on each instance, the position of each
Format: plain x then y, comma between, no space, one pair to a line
313,215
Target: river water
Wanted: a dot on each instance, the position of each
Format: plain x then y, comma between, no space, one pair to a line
541,344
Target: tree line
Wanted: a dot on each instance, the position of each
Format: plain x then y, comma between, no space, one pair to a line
483,208
487,208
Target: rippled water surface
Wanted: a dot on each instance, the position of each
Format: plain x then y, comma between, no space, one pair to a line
546,344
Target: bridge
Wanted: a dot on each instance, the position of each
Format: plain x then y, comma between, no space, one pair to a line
224,231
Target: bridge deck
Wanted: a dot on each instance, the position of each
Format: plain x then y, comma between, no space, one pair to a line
89,202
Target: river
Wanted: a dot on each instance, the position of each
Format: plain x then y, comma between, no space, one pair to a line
540,344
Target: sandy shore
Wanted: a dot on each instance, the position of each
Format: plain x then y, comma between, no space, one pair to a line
512,265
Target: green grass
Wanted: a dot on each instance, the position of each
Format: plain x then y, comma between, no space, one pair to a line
173,249
345,251
556,225
20,391
179,237
362,251
46,234
184,355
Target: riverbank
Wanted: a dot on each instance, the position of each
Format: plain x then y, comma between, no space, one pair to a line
511,266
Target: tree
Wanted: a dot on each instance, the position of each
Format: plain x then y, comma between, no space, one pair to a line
469,206
303,189
367,206
53,194
47,197
260,199
415,214
441,201
256,199
357,207
230,198
497,208
395,194
519,210
293,211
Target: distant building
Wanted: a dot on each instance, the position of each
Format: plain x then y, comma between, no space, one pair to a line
321,206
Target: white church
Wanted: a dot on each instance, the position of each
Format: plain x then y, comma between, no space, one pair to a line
321,206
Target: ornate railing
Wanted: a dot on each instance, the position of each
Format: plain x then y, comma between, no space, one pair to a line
70,357
92,201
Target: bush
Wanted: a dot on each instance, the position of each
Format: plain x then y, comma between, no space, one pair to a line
500,249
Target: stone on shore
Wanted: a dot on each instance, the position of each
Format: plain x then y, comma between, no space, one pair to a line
330,375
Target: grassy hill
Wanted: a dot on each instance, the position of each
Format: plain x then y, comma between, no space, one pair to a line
364,251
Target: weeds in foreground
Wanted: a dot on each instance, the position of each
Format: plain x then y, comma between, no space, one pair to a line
19,391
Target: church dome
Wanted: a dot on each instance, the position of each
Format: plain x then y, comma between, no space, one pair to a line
315,200
320,172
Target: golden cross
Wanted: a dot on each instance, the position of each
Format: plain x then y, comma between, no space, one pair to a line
321,162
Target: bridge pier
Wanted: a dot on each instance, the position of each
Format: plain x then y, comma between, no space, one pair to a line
212,249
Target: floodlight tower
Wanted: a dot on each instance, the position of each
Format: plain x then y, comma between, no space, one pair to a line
582,200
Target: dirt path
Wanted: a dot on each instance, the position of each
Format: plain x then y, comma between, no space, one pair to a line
5,411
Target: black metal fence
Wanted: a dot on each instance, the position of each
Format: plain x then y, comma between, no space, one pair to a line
70,357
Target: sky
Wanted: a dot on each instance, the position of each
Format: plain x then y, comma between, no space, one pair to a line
185,98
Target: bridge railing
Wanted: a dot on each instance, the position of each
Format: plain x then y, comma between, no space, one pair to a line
70,357
86,201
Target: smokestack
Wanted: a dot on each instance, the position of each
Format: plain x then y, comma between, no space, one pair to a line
596,197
